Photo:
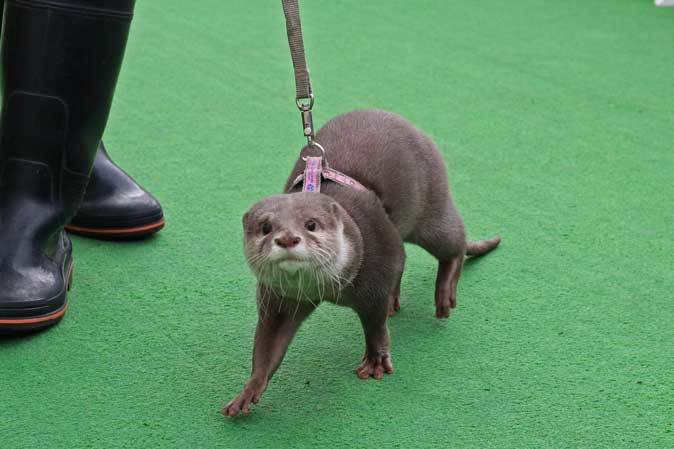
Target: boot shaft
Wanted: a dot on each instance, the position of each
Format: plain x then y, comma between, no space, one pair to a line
60,62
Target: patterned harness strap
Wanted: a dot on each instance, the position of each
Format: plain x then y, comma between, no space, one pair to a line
314,172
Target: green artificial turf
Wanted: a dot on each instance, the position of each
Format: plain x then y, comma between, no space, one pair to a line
557,124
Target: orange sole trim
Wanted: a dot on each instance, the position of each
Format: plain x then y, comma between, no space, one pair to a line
119,232
53,316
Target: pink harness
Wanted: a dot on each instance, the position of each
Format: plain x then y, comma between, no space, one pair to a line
314,172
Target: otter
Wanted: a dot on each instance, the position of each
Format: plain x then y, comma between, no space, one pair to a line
345,245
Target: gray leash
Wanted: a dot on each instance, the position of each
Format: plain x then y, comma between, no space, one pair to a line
316,167
304,97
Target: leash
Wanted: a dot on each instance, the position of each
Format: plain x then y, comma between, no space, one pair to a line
304,97
316,167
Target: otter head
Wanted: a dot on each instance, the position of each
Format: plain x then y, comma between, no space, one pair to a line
302,245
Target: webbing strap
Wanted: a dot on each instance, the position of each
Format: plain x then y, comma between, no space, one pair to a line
291,10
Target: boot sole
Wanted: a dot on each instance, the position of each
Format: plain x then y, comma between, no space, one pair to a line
130,233
22,325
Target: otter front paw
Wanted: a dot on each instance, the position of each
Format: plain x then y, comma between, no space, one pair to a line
241,404
375,366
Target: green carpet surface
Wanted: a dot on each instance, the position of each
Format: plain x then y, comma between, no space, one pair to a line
556,122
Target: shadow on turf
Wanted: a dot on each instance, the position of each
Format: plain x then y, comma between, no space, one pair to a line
17,338
472,262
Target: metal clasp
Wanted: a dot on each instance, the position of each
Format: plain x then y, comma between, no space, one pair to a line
308,125
307,118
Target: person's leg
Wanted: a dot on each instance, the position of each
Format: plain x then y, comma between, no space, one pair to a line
59,65
115,206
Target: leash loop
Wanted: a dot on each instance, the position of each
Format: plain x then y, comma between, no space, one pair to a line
313,143
303,105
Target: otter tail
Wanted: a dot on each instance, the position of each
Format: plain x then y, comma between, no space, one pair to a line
481,247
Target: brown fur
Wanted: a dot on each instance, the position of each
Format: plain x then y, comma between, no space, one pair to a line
408,201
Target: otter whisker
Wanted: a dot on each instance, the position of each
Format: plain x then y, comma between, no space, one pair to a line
319,285
264,299
325,260
283,295
302,292
270,288
297,306
281,280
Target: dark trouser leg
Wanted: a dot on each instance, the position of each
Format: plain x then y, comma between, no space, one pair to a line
60,61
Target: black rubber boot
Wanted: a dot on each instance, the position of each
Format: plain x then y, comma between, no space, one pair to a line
115,207
60,61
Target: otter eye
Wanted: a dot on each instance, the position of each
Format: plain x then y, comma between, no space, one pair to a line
266,228
310,225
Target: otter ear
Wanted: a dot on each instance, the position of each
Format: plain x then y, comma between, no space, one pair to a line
246,219
336,211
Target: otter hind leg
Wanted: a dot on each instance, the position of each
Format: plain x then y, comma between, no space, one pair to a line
444,237
394,297
446,282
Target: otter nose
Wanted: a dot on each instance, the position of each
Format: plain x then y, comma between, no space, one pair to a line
287,241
